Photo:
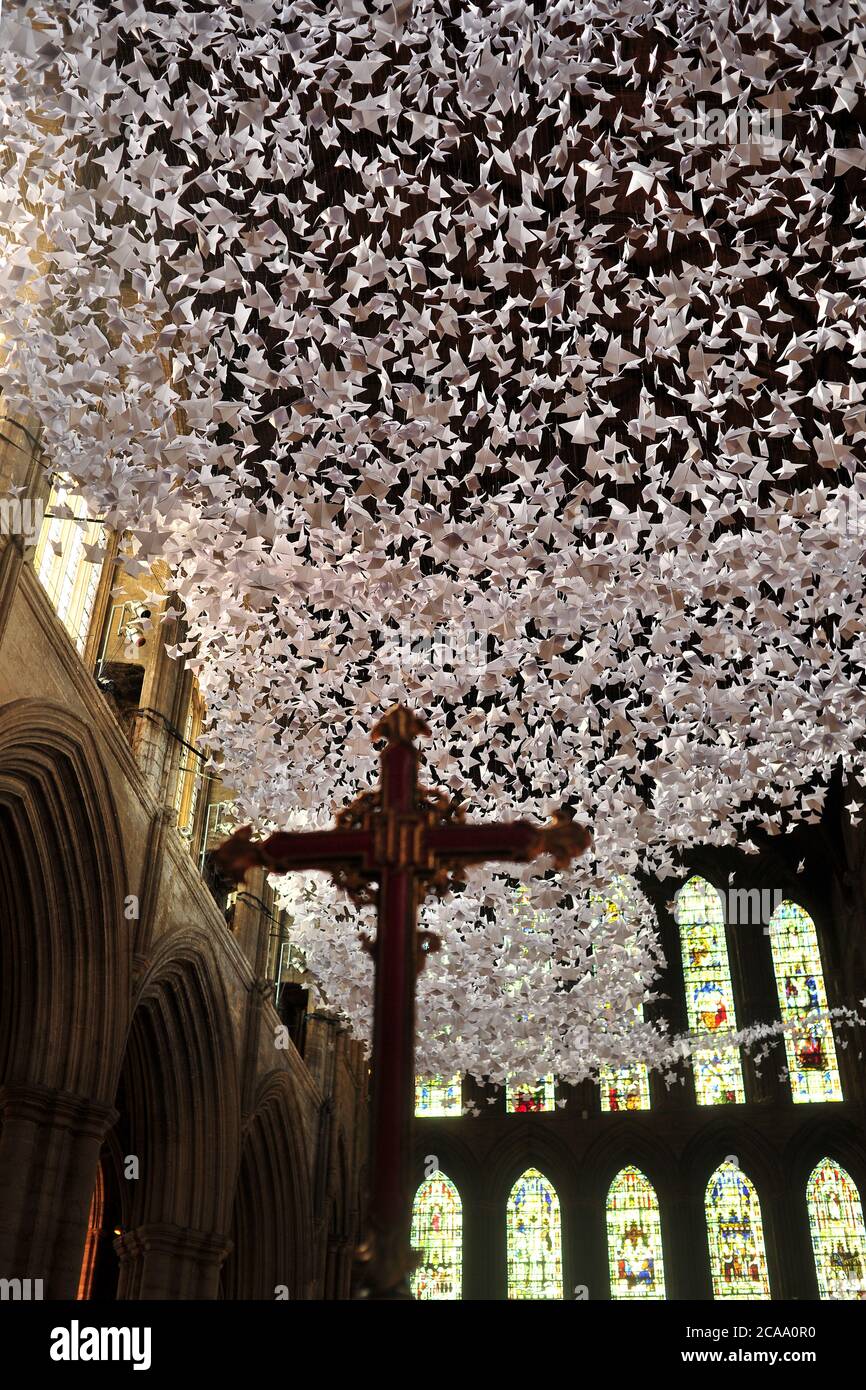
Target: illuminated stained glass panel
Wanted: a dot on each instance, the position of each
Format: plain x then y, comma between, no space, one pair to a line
735,1232
437,1096
534,1239
437,1234
624,1088
838,1232
812,1064
68,561
709,993
522,1098
634,1237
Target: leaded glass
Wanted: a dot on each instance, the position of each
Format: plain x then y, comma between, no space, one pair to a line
622,1088
525,1098
812,1064
437,1233
634,1237
437,1096
838,1233
709,993
735,1233
534,1239
68,561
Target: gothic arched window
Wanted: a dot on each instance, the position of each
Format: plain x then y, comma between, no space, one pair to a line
634,1237
838,1232
812,1064
709,993
738,1260
534,1238
68,561
435,1095
627,1087
437,1232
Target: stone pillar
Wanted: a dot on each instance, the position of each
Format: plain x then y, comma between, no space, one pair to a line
49,1152
320,1050
338,1269
172,1262
251,926
19,468
11,565
164,696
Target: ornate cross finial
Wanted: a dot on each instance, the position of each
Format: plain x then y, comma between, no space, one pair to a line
400,725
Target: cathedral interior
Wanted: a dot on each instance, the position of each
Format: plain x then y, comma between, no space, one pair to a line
166,987
326,330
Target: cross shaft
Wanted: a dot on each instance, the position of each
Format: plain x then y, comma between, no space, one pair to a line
393,846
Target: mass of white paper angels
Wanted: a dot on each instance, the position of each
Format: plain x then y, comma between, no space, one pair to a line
504,359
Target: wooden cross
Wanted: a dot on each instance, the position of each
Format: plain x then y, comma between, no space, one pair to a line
393,846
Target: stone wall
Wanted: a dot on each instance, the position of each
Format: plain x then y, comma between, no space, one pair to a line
139,1044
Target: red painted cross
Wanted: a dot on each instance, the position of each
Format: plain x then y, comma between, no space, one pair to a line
408,841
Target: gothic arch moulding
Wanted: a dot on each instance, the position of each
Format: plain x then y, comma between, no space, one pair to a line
179,1099
271,1228
66,948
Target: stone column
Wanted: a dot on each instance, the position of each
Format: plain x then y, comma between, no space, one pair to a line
338,1269
163,1261
49,1151
11,565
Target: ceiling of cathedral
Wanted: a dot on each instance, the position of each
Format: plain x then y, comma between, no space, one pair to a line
506,360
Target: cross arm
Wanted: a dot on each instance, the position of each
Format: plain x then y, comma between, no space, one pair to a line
518,841
290,850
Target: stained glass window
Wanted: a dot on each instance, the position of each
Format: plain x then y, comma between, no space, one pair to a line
437,1233
524,1097
534,1239
437,1096
838,1232
735,1233
709,993
812,1064
634,1237
68,561
624,1088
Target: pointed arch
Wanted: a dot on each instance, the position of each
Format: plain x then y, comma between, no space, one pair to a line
534,1238
838,1231
812,1064
700,916
271,1226
437,1233
735,1233
634,1237
66,948
180,1092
